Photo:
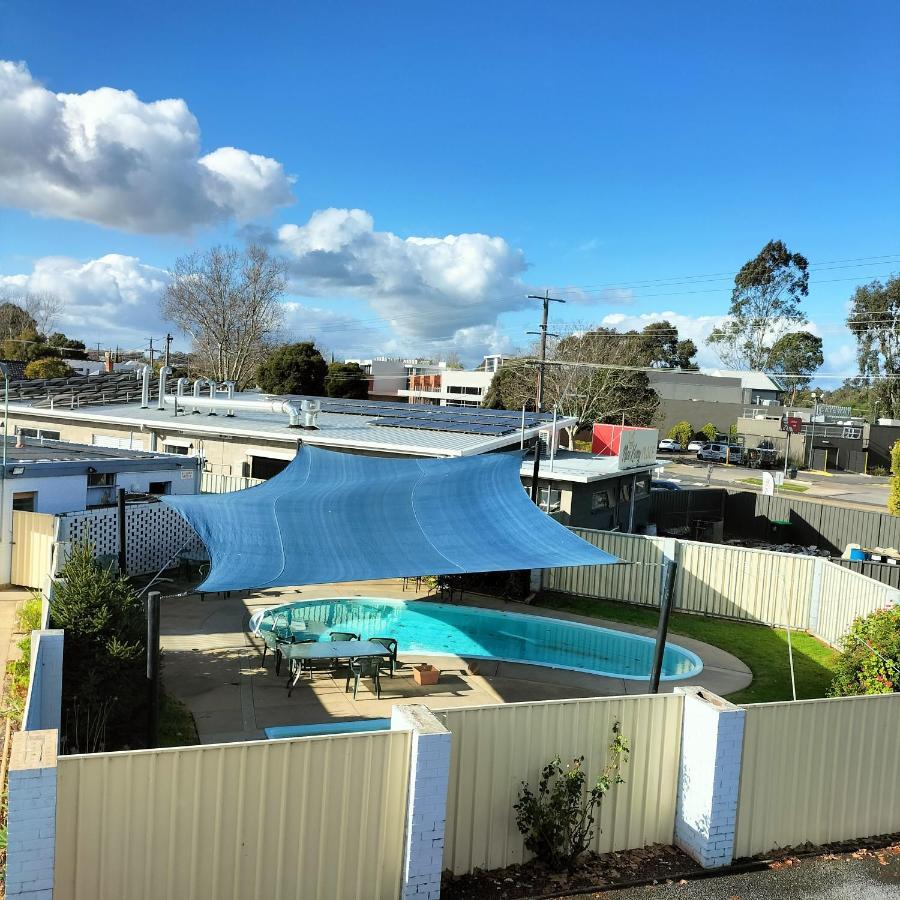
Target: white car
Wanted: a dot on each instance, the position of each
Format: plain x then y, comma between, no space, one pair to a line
667,445
694,446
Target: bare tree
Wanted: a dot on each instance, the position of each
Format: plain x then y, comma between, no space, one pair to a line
228,302
41,310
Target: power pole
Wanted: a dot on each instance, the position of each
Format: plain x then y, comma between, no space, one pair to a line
546,300
151,351
168,345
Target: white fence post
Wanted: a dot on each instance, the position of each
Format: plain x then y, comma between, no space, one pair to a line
712,736
31,835
815,598
429,775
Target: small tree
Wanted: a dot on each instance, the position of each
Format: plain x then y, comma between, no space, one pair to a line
48,367
870,661
681,432
558,821
104,688
294,369
346,380
732,432
709,431
893,501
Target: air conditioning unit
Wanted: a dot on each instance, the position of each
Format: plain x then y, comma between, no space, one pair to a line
311,410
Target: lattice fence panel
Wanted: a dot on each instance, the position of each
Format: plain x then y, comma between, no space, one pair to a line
154,535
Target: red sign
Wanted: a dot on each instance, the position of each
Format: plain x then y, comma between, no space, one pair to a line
791,423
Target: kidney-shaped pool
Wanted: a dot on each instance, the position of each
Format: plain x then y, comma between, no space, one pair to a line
420,626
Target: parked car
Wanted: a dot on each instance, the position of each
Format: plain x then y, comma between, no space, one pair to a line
694,446
660,485
668,445
713,452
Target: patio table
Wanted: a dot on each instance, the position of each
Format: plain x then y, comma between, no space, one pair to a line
328,650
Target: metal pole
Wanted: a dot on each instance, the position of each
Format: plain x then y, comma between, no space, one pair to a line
522,440
553,438
545,300
8,550
662,629
791,660
120,503
152,668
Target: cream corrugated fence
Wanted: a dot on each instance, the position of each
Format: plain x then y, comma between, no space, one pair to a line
739,583
637,583
818,771
845,595
309,818
214,483
33,537
496,748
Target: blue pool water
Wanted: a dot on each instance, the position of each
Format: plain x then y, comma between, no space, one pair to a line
435,628
357,725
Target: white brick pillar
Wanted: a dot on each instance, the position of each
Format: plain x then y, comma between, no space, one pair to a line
712,736
31,835
427,805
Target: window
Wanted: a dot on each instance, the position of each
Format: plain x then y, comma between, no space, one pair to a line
266,466
549,499
458,389
48,435
600,500
25,502
26,432
641,487
182,450
117,442
37,433
160,487
101,479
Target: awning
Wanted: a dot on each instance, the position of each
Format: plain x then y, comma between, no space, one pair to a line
332,517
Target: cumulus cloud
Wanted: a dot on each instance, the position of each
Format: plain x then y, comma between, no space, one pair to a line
425,288
107,157
113,299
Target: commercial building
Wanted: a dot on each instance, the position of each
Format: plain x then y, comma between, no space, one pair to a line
439,385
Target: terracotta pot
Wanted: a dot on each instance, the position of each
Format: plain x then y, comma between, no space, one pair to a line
426,674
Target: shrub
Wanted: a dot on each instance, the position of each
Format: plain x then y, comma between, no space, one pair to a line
681,432
104,684
18,671
870,660
709,431
48,367
558,821
893,502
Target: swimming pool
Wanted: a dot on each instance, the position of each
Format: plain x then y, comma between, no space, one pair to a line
469,632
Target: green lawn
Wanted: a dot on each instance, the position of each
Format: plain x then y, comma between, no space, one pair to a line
176,724
787,486
762,649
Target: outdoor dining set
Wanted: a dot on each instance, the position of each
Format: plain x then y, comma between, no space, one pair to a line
311,650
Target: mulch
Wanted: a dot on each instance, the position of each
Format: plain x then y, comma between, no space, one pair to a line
657,863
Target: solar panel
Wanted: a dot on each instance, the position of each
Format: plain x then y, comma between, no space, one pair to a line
462,427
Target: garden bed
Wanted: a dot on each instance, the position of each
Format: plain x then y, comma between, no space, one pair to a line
657,863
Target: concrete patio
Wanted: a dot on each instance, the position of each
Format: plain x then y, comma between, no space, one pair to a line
213,665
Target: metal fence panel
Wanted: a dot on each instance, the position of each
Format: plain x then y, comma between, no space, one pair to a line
844,596
638,583
818,771
754,585
32,550
884,572
496,748
214,483
309,818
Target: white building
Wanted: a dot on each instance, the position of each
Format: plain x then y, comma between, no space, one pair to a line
440,386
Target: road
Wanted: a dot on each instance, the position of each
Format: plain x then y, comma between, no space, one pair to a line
840,487
875,877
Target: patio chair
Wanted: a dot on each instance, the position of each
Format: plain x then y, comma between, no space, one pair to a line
366,667
299,662
389,644
343,636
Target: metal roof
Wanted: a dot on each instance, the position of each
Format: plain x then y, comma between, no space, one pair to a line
570,465
337,430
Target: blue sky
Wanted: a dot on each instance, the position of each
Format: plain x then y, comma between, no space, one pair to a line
602,150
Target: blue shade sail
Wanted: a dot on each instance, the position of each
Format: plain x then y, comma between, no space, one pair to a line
342,517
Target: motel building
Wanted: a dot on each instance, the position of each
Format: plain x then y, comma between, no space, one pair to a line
242,436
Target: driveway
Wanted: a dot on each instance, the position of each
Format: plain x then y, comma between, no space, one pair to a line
870,877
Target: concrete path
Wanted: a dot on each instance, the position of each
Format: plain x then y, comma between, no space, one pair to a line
820,878
212,665
10,600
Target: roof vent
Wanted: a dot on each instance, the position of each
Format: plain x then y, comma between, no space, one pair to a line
311,410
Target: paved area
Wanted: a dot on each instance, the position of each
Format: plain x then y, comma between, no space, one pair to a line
10,599
211,663
840,878
841,487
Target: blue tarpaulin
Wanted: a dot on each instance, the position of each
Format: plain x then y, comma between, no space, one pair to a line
342,517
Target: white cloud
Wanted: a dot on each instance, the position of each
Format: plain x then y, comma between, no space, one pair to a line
425,288
107,157
113,300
